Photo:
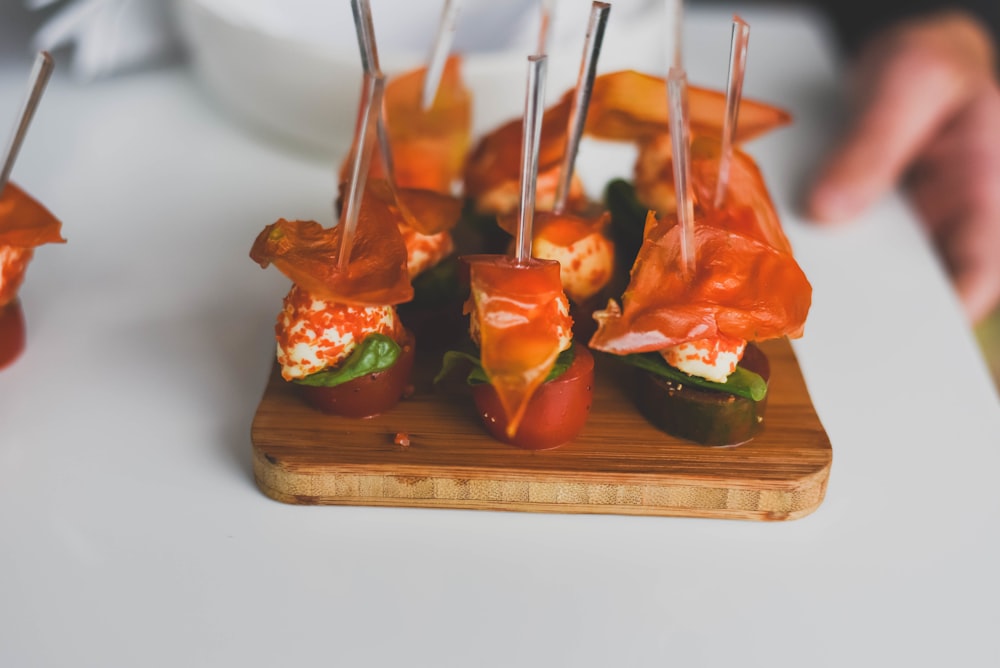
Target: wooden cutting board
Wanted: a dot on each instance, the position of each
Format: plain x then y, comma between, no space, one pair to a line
618,464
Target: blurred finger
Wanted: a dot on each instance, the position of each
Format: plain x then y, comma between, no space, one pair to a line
910,81
900,111
955,192
974,258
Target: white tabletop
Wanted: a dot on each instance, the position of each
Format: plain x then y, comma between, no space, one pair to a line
132,534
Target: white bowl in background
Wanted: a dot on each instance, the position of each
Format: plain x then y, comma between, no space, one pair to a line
291,69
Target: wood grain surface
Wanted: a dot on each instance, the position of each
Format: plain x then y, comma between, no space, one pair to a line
618,464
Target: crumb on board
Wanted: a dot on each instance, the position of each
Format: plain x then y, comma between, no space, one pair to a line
402,439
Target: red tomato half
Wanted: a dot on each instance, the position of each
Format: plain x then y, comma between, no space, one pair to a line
368,395
556,411
11,332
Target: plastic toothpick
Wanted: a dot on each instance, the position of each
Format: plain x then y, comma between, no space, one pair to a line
581,99
533,108
439,52
370,115
680,143
734,92
361,160
365,28
675,21
545,29
40,73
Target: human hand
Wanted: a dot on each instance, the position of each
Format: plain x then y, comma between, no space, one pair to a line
927,115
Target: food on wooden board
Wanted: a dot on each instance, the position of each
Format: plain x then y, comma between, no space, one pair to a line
630,106
692,331
531,384
576,237
625,106
24,225
520,323
425,149
339,338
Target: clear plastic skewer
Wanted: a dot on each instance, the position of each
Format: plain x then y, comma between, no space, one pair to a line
361,161
365,28
373,84
545,29
533,110
675,21
680,143
581,99
734,93
41,71
439,52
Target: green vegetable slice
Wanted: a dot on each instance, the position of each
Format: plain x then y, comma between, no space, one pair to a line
628,219
742,382
377,352
438,285
477,376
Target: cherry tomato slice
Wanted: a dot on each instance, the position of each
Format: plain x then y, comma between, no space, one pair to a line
556,412
368,395
12,335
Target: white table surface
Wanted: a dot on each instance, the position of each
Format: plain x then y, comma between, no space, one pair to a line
132,534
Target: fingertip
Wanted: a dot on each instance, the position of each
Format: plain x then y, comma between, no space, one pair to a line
832,203
979,292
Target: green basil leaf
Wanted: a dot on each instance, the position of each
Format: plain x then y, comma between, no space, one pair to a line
742,382
563,362
477,376
453,359
377,352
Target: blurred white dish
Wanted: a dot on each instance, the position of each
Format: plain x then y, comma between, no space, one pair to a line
291,68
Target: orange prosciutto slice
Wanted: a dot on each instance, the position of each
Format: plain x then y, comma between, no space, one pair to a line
521,325
495,163
428,146
742,288
426,211
625,106
24,222
425,220
306,252
632,106
747,201
24,225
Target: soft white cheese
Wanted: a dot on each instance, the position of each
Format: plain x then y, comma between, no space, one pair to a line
585,266
313,334
712,358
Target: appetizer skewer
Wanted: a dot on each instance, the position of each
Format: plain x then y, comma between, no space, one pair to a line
531,385
567,229
339,337
439,51
24,223
421,151
734,93
707,281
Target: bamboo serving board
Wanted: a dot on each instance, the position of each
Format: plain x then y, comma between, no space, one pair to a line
618,464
